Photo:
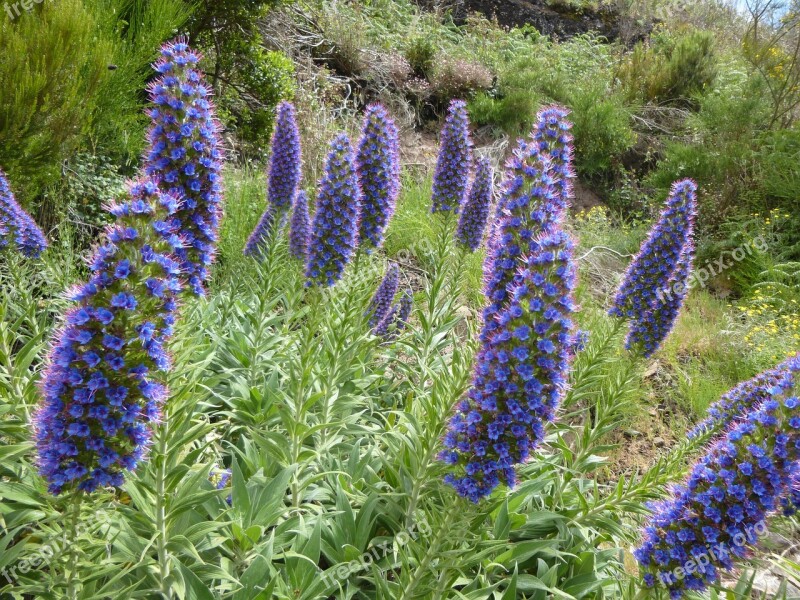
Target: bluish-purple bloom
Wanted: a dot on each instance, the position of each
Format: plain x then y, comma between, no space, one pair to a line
104,383
648,331
381,302
185,156
335,234
654,285
378,166
745,397
285,172
300,228
474,216
396,318
454,164
18,230
554,138
710,522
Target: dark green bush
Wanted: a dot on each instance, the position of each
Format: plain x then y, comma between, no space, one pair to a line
670,68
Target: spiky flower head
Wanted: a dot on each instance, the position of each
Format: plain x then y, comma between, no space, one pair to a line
454,164
300,228
381,302
335,234
396,318
285,173
647,332
745,397
554,138
185,156
661,269
520,376
712,520
474,216
529,206
104,383
378,165
17,228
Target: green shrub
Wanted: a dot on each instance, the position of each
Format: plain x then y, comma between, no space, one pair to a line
670,69
53,67
420,53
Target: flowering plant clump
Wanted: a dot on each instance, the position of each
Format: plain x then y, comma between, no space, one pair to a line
453,166
472,222
736,403
104,382
17,227
335,232
184,156
655,281
300,227
710,521
285,172
381,302
378,166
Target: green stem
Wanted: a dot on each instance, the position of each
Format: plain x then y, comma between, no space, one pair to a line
70,541
161,521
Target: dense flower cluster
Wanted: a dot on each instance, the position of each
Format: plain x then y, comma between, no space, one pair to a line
396,317
285,172
17,227
300,227
378,165
335,233
381,303
103,386
453,166
721,510
472,222
521,373
185,157
654,285
552,134
648,331
745,397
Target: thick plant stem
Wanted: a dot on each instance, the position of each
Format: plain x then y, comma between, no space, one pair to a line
71,542
160,509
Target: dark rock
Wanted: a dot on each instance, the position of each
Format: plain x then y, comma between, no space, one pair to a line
659,442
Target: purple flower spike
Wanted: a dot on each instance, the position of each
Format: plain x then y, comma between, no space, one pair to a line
654,286
712,520
552,134
396,318
17,227
104,383
378,164
285,172
521,373
381,302
300,228
335,234
743,398
185,156
453,166
647,333
472,223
